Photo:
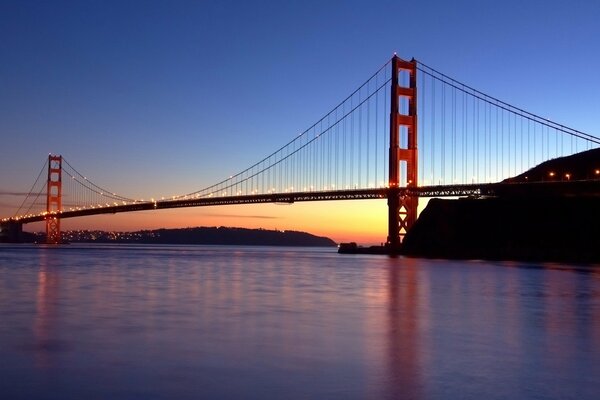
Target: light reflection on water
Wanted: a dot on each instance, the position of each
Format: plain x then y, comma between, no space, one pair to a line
165,322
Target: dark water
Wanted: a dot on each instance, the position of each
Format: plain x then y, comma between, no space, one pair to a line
140,322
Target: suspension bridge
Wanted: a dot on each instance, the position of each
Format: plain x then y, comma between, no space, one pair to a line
409,131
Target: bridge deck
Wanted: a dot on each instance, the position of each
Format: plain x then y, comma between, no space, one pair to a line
573,188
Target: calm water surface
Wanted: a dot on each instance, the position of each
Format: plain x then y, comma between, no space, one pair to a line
195,322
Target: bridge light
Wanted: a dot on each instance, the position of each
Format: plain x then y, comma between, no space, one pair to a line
568,176
551,173
598,172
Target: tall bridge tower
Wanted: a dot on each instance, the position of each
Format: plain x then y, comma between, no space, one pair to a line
402,210
53,199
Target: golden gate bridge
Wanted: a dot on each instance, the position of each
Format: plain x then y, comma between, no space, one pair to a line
408,131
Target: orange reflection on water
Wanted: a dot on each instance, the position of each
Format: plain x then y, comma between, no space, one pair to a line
46,313
404,341
397,330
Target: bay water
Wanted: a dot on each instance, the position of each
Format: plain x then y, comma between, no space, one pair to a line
224,322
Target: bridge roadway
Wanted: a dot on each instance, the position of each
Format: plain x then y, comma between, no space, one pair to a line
547,188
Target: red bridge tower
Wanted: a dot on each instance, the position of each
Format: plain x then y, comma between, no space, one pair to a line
402,210
53,199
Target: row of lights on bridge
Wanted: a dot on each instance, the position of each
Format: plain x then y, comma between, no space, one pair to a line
155,202
551,174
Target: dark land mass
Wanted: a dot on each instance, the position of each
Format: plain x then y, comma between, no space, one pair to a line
537,225
529,228
560,229
200,235
579,166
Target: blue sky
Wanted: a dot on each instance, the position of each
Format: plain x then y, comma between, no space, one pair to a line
153,98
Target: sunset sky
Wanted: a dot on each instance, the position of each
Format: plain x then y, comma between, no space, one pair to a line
154,98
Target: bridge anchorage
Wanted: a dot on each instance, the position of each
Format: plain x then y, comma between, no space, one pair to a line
370,146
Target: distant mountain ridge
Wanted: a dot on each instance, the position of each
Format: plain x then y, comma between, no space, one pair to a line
203,235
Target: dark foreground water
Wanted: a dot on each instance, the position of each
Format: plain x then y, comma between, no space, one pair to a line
170,322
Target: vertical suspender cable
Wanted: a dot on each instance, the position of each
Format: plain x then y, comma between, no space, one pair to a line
433,83
443,131
422,131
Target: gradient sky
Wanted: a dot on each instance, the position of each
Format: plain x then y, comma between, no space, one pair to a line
155,98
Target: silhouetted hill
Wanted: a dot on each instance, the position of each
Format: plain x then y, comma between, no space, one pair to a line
237,236
203,235
540,228
513,228
579,166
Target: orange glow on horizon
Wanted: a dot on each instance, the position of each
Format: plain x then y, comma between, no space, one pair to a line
361,221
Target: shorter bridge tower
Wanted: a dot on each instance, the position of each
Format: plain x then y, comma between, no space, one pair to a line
402,210
53,199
